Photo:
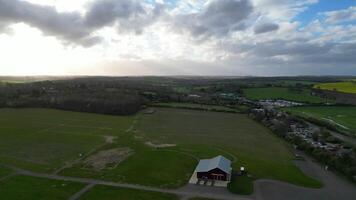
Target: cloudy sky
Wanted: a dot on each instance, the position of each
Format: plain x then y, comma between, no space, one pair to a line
178,37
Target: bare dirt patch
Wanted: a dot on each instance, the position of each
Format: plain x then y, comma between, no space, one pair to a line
149,111
151,144
110,139
108,159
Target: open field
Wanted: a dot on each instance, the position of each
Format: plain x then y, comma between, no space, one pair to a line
343,117
4,172
346,87
147,166
47,140
110,193
29,188
282,93
206,134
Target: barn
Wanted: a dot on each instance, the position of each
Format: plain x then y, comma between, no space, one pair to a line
217,169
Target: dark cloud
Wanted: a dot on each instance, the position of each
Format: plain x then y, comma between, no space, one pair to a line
290,54
217,18
266,27
68,26
129,15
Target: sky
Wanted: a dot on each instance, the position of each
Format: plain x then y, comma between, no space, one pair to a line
178,37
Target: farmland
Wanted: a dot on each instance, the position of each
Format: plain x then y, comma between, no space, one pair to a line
282,93
47,140
342,116
346,87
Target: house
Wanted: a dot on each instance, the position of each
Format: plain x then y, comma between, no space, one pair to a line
218,169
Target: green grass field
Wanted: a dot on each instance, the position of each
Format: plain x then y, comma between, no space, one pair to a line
207,134
110,193
347,87
281,93
45,140
4,171
341,116
28,188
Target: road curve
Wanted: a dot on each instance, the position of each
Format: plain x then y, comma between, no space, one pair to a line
335,187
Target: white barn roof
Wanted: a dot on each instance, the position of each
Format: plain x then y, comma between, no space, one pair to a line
218,162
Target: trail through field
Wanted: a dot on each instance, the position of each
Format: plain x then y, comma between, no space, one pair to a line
333,122
108,140
182,152
81,192
133,124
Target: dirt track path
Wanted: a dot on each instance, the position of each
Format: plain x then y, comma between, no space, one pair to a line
77,195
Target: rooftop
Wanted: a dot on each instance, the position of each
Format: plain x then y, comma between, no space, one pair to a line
220,162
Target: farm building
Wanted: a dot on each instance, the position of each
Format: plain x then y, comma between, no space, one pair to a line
217,169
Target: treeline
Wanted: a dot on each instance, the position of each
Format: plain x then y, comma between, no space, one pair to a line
72,95
343,162
341,159
107,95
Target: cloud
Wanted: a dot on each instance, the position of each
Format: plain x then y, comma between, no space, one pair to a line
128,15
282,10
266,27
68,26
72,26
217,18
339,16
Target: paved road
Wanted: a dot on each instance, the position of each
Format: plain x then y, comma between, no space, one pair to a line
183,192
335,188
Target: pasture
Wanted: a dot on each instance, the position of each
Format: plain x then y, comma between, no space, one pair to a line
166,145
346,87
282,93
206,134
45,140
28,188
341,116
4,172
110,193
